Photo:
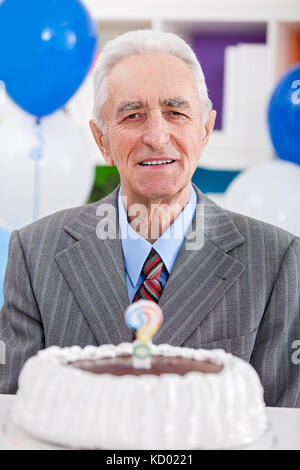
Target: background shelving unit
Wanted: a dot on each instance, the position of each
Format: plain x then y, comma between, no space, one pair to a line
275,23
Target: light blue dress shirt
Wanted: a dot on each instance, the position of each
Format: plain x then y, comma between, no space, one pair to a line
136,249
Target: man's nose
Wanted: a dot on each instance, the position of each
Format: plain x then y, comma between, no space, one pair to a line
156,134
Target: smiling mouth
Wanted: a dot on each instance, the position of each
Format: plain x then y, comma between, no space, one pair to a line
157,162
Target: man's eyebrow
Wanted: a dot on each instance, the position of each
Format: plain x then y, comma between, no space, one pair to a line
128,106
176,103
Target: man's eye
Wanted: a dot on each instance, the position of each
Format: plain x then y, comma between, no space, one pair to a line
133,116
175,114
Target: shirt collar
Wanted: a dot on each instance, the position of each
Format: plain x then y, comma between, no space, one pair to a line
136,249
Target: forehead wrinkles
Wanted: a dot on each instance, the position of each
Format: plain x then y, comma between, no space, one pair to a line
156,68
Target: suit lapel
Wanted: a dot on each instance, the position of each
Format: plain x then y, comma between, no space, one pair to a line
94,271
202,273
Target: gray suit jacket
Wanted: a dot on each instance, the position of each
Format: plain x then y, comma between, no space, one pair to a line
239,290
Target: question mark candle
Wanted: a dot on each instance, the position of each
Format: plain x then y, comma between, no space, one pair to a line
145,317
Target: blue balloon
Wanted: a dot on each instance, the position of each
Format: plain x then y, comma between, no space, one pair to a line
4,241
46,50
284,116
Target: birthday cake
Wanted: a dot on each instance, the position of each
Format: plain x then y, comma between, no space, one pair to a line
95,398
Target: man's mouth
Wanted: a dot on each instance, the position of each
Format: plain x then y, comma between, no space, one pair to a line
157,162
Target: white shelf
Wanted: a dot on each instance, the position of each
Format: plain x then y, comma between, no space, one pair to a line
235,152
206,10
111,28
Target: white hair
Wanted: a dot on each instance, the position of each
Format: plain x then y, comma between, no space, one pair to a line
143,42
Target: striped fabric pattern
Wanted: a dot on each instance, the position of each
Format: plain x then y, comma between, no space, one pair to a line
151,288
238,290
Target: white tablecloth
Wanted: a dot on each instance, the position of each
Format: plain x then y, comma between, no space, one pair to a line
285,426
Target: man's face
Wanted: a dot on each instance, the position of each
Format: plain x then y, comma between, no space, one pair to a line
153,114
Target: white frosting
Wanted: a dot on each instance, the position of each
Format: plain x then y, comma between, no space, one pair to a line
66,405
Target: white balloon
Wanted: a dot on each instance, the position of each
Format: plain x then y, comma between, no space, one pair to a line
65,171
8,108
80,105
79,108
3,224
269,192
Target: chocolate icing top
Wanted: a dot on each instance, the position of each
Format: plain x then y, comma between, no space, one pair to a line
122,365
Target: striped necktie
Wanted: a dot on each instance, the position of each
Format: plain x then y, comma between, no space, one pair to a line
151,288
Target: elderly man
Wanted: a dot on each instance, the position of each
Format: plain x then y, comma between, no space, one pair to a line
223,280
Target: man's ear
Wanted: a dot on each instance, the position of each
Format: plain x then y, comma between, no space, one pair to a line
209,125
101,141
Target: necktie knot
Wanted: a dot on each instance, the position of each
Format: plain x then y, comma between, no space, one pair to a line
153,265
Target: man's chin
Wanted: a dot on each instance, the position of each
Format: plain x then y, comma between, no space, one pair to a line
157,194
